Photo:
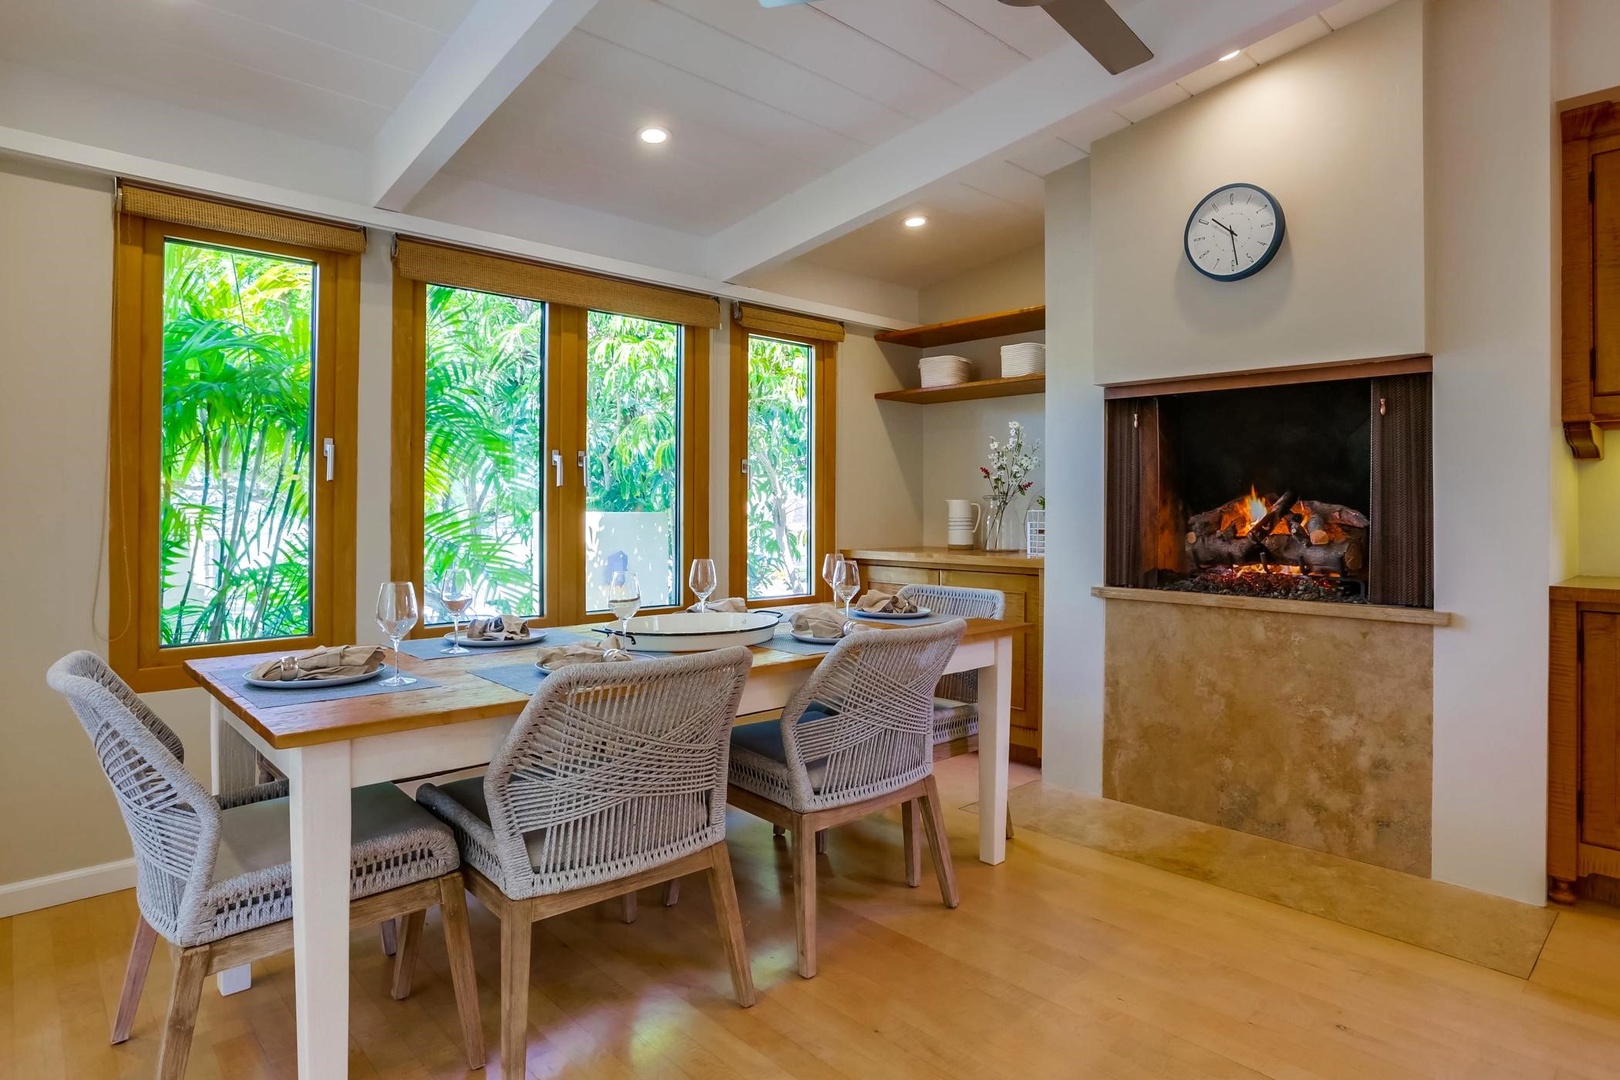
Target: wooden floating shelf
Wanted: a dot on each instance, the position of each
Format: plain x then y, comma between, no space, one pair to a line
969,391
1002,323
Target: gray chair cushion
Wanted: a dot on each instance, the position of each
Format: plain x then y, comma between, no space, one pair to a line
396,842
765,739
954,720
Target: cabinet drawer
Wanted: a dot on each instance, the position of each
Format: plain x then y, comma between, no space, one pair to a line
885,578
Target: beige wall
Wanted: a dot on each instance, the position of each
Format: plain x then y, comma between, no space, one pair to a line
1335,132
1019,280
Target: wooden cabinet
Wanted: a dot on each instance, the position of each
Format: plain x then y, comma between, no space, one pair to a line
1583,745
1591,275
1018,577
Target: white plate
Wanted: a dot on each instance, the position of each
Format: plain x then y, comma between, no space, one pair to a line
808,640
309,684
485,643
920,613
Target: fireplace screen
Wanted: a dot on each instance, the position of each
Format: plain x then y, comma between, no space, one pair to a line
1310,491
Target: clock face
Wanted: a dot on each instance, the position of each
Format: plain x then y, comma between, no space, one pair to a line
1233,232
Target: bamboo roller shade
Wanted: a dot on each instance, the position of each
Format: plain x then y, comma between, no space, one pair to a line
767,321
240,220
458,267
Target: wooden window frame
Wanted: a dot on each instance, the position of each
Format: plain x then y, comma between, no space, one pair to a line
134,594
566,344
824,451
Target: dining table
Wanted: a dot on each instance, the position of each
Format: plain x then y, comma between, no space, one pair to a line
458,721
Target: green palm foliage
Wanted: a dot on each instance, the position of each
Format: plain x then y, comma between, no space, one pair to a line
778,467
235,456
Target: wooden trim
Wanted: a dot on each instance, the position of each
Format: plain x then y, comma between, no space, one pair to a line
1324,609
1575,315
770,322
239,220
1563,740
999,324
407,431
694,490
464,268
1012,386
1412,364
134,647
823,469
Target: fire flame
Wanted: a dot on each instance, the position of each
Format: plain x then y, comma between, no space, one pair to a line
1256,508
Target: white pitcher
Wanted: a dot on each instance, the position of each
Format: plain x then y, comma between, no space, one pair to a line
961,522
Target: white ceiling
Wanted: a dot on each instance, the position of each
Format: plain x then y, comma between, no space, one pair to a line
777,115
330,70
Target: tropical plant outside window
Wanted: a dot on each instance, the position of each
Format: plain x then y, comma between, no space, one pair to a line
236,472
632,456
484,391
779,472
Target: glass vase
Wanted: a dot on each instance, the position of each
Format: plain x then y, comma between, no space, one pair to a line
996,536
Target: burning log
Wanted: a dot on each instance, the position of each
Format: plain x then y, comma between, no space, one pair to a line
1314,537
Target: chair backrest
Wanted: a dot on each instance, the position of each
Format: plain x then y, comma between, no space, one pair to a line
962,603
173,823
862,724
615,768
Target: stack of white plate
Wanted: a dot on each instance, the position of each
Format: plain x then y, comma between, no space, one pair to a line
944,370
1024,358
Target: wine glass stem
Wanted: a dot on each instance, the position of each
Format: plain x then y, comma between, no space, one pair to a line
396,657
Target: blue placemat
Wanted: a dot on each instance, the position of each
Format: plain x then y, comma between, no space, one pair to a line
272,699
783,642
432,648
524,678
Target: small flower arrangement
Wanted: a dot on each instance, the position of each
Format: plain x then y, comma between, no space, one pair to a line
1010,465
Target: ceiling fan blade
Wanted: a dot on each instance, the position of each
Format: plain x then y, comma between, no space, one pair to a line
1098,27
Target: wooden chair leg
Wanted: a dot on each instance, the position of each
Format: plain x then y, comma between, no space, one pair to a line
408,948
723,891
804,897
934,821
821,842
458,944
390,938
181,1021
628,908
516,934
140,961
908,829
1009,823
672,892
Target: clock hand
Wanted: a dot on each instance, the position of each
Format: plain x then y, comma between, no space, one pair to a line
1222,224
1234,247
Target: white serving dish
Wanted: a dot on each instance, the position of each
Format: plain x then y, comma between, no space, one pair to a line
698,631
309,684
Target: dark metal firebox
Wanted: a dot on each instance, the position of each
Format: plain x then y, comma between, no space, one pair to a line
1311,483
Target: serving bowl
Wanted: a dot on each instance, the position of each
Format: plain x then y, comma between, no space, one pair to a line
697,631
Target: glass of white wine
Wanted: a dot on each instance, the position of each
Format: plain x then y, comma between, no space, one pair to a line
702,580
396,614
846,582
624,597
456,594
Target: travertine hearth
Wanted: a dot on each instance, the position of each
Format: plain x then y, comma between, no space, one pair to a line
1310,730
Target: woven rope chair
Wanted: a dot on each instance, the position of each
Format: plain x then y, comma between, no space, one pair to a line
856,738
612,779
214,876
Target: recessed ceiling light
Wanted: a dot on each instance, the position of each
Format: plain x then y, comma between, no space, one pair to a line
916,221
654,135
1233,55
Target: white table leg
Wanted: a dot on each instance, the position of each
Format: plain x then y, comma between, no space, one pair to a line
233,765
995,732
320,821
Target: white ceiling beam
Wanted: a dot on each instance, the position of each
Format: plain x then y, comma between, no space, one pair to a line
493,50
1043,93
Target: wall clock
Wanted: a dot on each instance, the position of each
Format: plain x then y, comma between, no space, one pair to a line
1233,232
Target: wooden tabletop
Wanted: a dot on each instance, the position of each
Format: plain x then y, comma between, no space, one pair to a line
460,696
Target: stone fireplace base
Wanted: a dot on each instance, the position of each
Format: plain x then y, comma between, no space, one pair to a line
1306,723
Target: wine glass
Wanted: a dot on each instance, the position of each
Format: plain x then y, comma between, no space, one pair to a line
456,594
396,614
702,581
623,597
829,563
846,582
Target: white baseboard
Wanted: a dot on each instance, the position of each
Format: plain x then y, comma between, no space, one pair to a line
43,892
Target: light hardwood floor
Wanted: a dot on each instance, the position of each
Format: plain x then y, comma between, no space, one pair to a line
1063,962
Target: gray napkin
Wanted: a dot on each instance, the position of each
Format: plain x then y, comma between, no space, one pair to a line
822,621
885,604
327,662
732,604
499,628
582,652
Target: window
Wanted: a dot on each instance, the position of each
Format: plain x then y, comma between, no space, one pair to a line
233,373
782,437
549,429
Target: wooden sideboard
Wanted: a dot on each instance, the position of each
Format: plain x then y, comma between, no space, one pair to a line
1583,735
1019,577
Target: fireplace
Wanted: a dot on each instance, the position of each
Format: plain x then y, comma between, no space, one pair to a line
1301,484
